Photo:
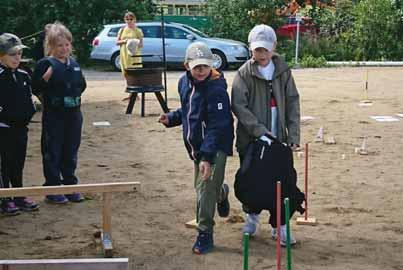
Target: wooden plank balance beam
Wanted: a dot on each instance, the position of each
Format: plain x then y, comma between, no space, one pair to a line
66,264
105,188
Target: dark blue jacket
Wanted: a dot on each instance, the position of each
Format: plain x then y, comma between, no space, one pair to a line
65,86
205,115
16,106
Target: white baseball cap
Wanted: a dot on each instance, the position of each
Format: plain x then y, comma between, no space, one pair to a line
262,36
198,53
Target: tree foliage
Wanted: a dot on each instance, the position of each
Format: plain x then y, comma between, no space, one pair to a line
235,18
83,18
376,34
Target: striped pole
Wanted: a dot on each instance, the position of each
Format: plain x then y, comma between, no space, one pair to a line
245,251
287,222
306,181
278,225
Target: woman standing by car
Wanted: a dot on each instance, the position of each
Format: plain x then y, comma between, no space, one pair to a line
126,35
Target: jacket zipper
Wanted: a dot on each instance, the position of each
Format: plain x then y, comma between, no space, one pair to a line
188,120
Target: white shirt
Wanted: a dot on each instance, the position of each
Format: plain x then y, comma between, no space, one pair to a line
267,71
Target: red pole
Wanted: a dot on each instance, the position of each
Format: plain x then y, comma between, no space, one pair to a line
306,181
278,225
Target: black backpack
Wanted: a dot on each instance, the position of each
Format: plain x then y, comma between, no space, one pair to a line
261,168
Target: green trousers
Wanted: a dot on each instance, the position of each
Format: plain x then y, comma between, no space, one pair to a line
209,192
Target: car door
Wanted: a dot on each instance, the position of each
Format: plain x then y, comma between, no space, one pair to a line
176,43
152,43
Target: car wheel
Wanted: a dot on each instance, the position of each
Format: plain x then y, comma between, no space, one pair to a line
115,61
220,61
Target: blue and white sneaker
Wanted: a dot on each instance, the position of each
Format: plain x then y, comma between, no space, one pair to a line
283,240
251,224
204,243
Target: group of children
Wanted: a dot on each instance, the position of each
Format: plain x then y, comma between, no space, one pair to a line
264,100
58,83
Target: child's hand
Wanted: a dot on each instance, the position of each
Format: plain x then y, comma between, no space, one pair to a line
47,74
205,170
164,119
295,147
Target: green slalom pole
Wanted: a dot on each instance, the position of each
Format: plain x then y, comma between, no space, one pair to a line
287,221
245,251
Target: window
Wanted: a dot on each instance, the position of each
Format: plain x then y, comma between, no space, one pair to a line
176,33
113,32
153,31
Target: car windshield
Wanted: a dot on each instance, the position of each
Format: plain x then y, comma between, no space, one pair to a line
195,30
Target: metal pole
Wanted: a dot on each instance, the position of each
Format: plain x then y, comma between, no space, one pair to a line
278,207
245,251
306,181
297,45
163,54
287,222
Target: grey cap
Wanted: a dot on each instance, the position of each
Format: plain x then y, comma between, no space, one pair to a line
198,53
10,43
262,36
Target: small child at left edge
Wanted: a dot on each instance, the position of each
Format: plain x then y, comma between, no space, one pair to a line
16,111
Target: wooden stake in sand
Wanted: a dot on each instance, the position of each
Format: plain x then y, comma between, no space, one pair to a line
363,149
192,224
330,140
365,95
306,220
278,206
245,251
319,135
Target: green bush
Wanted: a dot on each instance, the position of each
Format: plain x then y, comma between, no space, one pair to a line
309,61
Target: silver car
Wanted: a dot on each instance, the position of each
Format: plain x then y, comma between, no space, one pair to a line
177,38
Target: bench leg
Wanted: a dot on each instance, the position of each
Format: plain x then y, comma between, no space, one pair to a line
107,230
132,100
143,103
162,102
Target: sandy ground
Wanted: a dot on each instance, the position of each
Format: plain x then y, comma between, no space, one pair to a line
357,199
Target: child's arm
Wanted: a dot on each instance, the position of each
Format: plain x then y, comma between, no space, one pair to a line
292,114
171,119
39,83
219,118
239,98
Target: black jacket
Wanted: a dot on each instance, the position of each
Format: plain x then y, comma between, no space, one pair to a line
262,167
65,86
16,106
205,115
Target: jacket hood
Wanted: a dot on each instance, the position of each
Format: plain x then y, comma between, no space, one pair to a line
215,77
279,64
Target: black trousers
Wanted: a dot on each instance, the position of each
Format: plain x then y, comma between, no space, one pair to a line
61,138
13,150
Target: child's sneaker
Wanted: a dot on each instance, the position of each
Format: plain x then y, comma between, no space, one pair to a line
252,221
283,240
9,208
56,199
223,206
26,204
75,197
204,243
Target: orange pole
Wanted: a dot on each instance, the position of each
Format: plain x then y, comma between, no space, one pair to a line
278,225
306,181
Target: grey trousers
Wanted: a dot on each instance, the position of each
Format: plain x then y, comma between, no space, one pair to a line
209,192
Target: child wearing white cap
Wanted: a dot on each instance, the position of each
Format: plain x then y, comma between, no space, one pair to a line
266,102
208,133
